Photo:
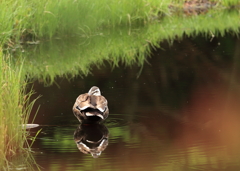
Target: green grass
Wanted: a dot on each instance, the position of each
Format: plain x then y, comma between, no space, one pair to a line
14,111
56,18
72,56
48,19
86,33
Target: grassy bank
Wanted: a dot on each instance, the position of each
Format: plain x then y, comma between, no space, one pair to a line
77,55
68,17
23,20
14,111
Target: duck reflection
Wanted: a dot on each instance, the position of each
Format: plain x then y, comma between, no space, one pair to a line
91,138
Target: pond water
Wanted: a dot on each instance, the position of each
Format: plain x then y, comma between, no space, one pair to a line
180,111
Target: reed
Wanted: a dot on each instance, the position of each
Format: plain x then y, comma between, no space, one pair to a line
14,111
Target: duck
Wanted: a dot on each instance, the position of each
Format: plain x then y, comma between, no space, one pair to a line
91,106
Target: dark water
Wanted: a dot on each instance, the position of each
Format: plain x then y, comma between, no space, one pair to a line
179,112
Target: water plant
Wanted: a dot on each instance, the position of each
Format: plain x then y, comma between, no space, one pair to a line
14,111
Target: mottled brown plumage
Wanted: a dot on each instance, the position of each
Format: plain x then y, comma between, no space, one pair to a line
91,106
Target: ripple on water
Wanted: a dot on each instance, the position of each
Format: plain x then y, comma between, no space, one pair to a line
116,120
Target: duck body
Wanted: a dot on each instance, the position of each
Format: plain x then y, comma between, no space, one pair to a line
91,106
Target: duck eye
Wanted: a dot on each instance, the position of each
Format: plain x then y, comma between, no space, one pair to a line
77,108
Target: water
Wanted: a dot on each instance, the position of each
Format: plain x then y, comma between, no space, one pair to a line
179,112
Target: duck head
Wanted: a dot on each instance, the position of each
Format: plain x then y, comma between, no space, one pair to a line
91,106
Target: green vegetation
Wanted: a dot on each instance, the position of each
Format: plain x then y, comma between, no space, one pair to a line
23,20
14,112
66,38
69,17
125,45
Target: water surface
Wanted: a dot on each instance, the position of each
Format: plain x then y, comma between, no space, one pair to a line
179,111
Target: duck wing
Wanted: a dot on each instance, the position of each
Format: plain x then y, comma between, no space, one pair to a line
83,101
101,104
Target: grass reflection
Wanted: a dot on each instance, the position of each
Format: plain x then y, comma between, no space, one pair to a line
155,142
74,56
